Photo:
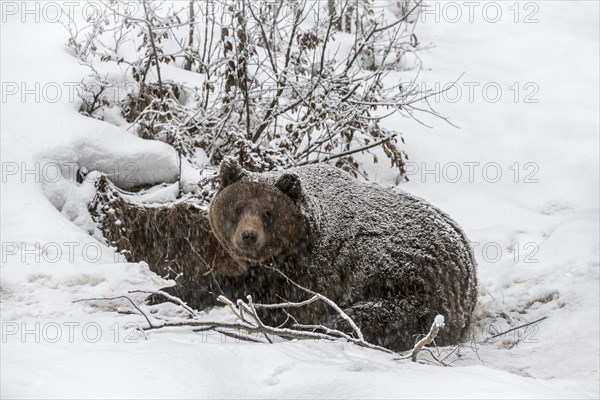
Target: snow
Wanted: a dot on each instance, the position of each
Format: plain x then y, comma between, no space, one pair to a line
537,233
439,321
549,211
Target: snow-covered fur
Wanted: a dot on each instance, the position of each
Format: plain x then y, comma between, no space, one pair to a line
390,260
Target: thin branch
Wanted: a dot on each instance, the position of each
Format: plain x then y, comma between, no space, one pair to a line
148,23
117,298
326,300
169,297
513,329
430,337
435,358
287,305
347,153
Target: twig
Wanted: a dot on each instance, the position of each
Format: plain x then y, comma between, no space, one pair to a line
148,23
346,153
452,352
326,300
288,304
327,330
117,298
435,358
239,337
232,307
260,327
513,329
435,327
250,307
169,297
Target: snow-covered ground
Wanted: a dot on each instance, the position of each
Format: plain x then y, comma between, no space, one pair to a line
520,175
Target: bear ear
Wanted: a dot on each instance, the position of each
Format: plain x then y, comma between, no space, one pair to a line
290,185
230,172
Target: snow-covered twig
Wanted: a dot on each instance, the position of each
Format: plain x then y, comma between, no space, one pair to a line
430,337
347,153
233,328
288,304
169,297
329,302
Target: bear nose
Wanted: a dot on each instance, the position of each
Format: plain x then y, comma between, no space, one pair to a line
249,237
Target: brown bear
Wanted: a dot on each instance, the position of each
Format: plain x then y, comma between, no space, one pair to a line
390,260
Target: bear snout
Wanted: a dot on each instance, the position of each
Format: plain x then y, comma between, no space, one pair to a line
249,237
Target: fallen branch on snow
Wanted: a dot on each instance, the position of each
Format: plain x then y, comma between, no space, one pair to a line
249,323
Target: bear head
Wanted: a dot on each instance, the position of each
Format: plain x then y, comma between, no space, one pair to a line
257,222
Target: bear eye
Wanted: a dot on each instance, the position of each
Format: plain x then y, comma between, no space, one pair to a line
238,210
268,214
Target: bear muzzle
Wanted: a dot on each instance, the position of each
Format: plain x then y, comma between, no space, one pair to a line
249,237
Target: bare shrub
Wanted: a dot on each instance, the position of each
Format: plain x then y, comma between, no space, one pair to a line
283,83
